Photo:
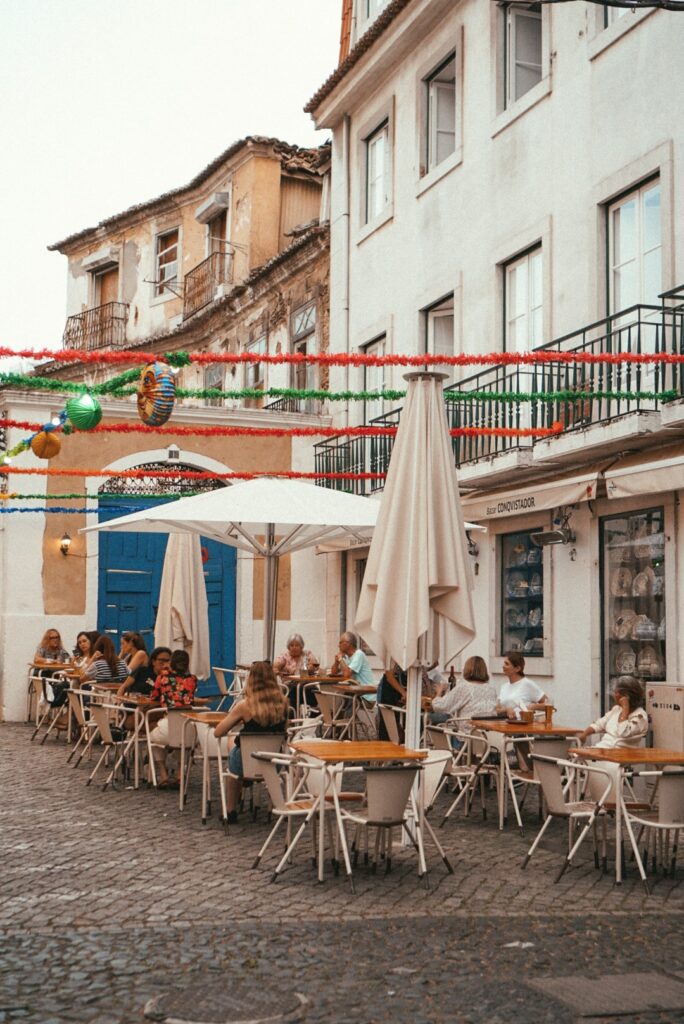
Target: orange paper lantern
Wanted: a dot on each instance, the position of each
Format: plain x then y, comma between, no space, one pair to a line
46,445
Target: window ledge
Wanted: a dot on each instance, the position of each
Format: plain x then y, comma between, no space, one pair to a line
521,106
372,226
440,171
609,35
159,300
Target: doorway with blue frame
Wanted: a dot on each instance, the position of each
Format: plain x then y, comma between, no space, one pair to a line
130,569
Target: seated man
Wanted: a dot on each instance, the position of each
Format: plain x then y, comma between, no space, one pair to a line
352,664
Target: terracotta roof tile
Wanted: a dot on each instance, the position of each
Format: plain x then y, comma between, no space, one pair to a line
345,31
364,44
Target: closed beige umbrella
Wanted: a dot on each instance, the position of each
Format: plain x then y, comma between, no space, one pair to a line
182,621
416,598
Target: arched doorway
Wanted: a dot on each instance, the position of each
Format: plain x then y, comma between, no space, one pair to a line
130,564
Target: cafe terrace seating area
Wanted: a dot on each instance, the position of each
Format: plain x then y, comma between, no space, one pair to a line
337,799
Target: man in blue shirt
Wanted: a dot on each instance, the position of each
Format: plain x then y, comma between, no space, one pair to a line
351,663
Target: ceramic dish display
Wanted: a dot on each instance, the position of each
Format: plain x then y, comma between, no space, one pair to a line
649,662
643,628
642,585
519,555
517,585
623,625
625,660
534,618
621,582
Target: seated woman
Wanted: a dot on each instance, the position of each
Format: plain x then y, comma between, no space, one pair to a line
262,708
520,693
392,691
104,665
50,652
134,653
173,688
471,696
626,724
296,660
85,644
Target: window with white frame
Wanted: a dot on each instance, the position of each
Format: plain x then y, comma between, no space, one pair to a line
523,302
522,49
439,332
635,273
377,172
371,8
255,373
166,268
440,139
374,380
214,378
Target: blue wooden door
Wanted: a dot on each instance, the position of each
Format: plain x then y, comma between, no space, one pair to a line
130,570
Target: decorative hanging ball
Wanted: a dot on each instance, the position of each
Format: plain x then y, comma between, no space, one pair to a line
84,411
156,394
46,444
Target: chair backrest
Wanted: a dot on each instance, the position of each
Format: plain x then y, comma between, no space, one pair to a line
437,738
550,775
176,723
328,704
230,681
595,784
432,771
308,729
100,715
271,773
208,743
75,698
388,789
252,743
390,722
671,798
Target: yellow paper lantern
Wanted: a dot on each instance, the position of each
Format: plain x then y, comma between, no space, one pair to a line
46,445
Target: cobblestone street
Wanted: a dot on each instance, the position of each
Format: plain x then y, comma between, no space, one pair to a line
112,899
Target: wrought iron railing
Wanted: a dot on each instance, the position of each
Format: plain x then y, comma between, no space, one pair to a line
639,330
311,406
199,288
101,327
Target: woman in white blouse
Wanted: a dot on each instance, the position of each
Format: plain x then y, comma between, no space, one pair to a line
626,724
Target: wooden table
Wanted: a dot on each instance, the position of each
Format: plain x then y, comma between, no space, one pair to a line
624,757
210,719
331,752
502,731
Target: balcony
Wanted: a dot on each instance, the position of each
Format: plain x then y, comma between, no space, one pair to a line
101,327
477,401
203,281
308,406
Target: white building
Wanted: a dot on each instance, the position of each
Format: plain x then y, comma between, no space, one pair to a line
503,175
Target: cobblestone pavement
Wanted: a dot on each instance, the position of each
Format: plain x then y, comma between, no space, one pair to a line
110,899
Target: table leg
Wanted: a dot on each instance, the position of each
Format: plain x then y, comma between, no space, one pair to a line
618,827
321,822
181,790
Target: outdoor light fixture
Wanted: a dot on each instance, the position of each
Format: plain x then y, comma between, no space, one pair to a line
560,534
473,548
65,544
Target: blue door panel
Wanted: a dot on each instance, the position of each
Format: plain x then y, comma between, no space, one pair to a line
130,570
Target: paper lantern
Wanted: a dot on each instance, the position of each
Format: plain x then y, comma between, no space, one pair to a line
46,444
156,394
84,411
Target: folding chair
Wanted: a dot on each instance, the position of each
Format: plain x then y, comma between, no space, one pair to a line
523,773
34,696
229,688
330,705
550,772
433,769
390,719
250,744
662,824
54,703
470,768
210,748
87,728
174,741
112,736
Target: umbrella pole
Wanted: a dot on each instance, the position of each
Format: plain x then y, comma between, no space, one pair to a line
270,584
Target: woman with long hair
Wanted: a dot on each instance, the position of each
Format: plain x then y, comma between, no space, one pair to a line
105,666
50,651
85,644
134,653
262,708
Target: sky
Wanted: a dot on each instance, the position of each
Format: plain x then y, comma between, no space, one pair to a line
107,103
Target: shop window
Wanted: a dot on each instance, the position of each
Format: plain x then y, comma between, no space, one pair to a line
633,595
522,594
166,270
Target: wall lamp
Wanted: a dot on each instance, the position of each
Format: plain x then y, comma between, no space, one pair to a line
473,548
65,544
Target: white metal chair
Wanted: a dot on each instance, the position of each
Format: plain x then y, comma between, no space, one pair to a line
211,749
87,728
53,704
550,772
331,705
433,769
230,681
34,696
112,735
470,768
174,741
523,774
250,744
662,824
390,719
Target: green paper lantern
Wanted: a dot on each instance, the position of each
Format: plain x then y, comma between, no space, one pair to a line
84,411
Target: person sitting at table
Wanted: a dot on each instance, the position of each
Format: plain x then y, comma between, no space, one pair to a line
50,651
104,666
296,660
519,693
134,652
626,724
471,696
392,691
85,644
263,708
174,687
352,664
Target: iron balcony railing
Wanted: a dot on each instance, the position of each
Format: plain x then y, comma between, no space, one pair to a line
101,327
202,281
638,330
312,406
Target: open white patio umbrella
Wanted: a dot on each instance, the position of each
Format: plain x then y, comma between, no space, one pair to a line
183,613
267,516
417,585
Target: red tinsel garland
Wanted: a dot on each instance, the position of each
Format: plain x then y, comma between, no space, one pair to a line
184,474
352,358
139,428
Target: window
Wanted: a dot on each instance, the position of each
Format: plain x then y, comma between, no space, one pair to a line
303,333
522,594
213,378
523,302
522,26
373,380
612,14
255,373
371,8
635,249
377,172
441,113
167,261
439,332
